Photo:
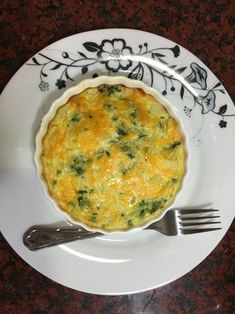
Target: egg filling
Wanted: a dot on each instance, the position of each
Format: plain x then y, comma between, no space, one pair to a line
113,157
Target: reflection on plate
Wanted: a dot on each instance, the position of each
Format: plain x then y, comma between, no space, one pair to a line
141,260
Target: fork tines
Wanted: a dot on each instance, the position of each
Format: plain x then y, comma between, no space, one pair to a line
186,219
192,231
196,211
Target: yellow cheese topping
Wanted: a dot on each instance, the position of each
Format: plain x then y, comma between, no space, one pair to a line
113,157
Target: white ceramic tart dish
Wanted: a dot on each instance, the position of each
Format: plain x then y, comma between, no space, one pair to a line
111,154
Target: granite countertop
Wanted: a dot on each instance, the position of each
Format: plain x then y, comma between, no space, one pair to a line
206,28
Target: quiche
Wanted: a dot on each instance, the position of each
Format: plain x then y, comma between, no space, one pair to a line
113,158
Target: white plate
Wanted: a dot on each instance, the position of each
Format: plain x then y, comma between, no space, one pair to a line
117,264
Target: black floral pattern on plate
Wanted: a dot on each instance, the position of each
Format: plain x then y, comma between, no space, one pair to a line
43,86
139,63
60,83
114,54
198,75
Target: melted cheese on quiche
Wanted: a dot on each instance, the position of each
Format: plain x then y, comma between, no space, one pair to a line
113,157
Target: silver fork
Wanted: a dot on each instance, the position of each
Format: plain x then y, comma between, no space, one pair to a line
175,222
186,221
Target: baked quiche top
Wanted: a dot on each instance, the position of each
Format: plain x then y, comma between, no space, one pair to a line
113,157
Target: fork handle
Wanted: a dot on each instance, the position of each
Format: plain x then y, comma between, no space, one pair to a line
36,238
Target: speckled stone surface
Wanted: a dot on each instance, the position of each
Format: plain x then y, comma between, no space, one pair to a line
206,28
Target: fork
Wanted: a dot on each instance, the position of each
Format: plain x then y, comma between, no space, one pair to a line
175,222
